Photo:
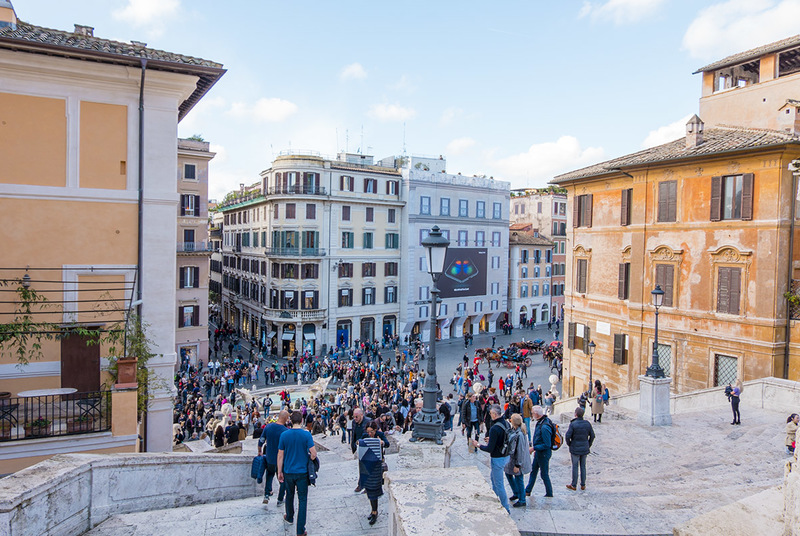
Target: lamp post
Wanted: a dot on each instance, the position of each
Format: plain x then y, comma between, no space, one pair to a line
429,424
655,370
592,347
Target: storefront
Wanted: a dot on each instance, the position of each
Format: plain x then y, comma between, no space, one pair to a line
389,326
367,329
309,338
287,340
523,315
343,329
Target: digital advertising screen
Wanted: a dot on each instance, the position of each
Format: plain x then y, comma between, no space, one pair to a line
464,273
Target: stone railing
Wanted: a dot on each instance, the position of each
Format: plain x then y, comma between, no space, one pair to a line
71,493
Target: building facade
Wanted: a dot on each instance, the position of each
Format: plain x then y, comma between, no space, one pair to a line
193,252
529,277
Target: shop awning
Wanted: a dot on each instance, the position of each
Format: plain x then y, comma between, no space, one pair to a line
311,336
288,337
270,334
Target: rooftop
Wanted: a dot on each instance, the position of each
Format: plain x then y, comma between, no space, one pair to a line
752,54
717,140
527,239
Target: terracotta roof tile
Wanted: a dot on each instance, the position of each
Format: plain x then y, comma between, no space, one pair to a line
752,54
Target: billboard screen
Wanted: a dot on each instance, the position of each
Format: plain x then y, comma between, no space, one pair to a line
464,273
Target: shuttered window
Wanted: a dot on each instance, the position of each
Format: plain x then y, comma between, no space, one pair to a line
729,290
311,211
665,278
732,197
571,335
625,207
580,275
668,201
624,280
582,211
620,349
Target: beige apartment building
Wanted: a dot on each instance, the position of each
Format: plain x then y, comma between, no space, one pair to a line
530,265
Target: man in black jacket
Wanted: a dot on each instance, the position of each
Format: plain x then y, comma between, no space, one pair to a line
471,416
497,435
579,438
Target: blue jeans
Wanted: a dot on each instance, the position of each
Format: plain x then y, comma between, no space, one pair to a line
541,460
517,483
271,471
299,481
528,428
498,484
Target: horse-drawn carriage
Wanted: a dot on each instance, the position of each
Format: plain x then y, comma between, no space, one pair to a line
509,357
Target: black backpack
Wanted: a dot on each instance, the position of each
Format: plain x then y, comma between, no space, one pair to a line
507,438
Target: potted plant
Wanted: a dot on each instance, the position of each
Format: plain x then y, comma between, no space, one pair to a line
80,423
5,430
40,427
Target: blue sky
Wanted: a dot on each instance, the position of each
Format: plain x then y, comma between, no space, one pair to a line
518,90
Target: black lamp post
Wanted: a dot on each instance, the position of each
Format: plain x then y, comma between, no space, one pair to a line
655,370
592,347
429,424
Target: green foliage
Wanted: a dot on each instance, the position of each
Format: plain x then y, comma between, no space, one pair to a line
213,297
196,137
41,422
792,298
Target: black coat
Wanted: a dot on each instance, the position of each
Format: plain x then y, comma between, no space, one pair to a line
580,436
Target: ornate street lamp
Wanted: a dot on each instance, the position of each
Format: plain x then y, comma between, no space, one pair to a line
592,347
655,370
429,424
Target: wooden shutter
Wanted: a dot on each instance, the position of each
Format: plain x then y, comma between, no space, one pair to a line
582,269
723,290
735,290
182,272
277,182
197,205
663,197
716,198
672,201
665,278
183,205
180,317
571,335
587,338
196,280
623,209
747,196
587,210
363,296
195,316
622,286
385,294
576,211
619,348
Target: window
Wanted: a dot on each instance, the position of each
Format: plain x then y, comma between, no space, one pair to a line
546,289
495,288
461,308
370,186
348,240
423,264
391,215
311,211
545,314
345,297
623,288
444,206
495,304
310,299
478,307
368,269
480,209
463,208
480,238
368,296
276,270
275,214
442,309
523,273
548,256
390,268
620,349
311,271
390,294
625,207
423,234
537,256
667,201
425,205
392,187
289,271
188,316
732,197
525,255
189,277
665,358
535,289
290,211
423,312
495,262
665,277
497,211
578,337
424,293
729,284
496,239
581,269
346,269
367,240
189,172
726,370
523,291
547,271
345,213
255,239
582,211
462,238
346,183
392,241
190,205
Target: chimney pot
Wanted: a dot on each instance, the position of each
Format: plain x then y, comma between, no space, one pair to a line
694,132
86,31
138,44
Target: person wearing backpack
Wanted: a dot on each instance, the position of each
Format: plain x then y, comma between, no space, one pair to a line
542,450
519,460
498,447
579,438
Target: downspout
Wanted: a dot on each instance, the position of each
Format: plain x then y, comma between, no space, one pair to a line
140,241
790,269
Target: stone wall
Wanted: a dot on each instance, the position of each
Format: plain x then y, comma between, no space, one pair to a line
69,494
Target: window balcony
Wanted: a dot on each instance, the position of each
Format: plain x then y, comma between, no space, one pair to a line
297,189
194,247
301,315
295,252
35,417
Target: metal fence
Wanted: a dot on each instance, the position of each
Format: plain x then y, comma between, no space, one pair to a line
35,417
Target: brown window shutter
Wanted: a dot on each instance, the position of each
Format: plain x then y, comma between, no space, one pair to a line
723,290
734,290
180,317
195,316
623,208
196,280
622,286
673,201
183,205
277,180
584,275
587,216
747,196
663,199
669,278
197,205
576,210
587,338
182,272
571,335
716,198
619,347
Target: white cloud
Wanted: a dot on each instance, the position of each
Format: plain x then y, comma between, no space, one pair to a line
737,25
450,114
391,112
221,153
272,110
459,145
141,12
542,161
404,84
667,133
354,71
620,11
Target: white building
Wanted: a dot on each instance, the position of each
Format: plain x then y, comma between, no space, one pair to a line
529,277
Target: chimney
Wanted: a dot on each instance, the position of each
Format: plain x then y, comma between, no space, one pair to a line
138,44
86,31
7,15
694,132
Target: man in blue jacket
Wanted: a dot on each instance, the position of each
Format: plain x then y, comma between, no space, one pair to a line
542,450
579,438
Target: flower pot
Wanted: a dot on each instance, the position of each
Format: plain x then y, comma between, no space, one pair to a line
38,431
75,426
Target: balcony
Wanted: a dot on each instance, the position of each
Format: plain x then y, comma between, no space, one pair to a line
297,189
291,314
194,247
35,417
295,252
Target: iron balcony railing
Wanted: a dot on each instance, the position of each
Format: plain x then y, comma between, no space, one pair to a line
295,252
192,247
35,417
296,189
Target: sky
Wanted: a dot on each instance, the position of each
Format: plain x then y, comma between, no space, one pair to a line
517,90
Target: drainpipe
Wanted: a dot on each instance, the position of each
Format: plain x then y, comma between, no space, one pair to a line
794,167
140,241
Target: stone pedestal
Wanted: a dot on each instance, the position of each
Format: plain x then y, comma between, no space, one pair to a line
654,401
425,453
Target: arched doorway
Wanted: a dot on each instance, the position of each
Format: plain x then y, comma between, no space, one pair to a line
389,326
523,315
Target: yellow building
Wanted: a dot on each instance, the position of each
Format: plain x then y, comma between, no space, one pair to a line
710,219
88,199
